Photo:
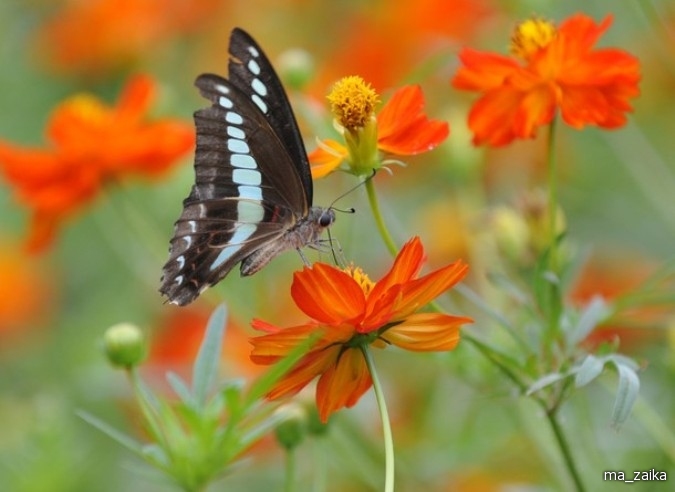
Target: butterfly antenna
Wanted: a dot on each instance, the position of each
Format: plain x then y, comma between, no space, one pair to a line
351,210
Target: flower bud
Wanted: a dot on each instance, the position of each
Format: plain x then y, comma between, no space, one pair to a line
296,68
293,427
124,345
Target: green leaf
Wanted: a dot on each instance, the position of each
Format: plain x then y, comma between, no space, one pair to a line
626,394
589,369
111,432
205,367
544,381
180,388
594,312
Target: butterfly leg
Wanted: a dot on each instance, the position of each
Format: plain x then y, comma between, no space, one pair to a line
304,259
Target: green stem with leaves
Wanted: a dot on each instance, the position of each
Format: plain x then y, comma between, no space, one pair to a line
386,424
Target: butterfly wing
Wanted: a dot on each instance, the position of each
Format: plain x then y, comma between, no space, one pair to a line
247,192
251,71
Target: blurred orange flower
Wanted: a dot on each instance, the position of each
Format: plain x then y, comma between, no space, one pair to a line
386,41
90,143
402,129
349,312
554,70
25,291
613,278
178,334
94,36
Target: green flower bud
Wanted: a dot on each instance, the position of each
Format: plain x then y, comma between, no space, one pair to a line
293,427
124,345
296,68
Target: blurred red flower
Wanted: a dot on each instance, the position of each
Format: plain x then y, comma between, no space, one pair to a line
94,36
90,143
25,292
555,70
350,311
178,334
402,129
386,41
615,279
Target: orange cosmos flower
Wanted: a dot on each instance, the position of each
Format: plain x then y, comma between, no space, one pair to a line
94,36
90,143
553,70
401,128
26,293
349,312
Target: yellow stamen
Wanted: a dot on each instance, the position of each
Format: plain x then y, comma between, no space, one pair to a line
530,36
361,278
87,108
352,101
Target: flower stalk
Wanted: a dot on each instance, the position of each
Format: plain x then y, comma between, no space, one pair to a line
386,423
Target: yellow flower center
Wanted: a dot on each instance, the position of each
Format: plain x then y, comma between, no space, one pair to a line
86,107
352,101
361,278
530,36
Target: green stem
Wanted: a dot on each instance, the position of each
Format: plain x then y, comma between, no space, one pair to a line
379,220
552,197
386,424
289,484
565,450
552,289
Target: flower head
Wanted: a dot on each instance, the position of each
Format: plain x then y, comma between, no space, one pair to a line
555,70
117,32
352,101
90,143
348,312
401,128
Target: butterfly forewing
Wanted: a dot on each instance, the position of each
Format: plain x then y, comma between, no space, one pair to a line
249,67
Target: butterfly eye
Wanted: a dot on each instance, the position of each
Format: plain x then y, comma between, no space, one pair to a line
327,218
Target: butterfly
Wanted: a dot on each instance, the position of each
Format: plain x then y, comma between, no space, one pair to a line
252,196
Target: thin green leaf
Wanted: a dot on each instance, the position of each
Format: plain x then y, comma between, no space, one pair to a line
111,432
149,405
205,367
154,454
544,381
589,369
180,388
593,314
619,359
626,394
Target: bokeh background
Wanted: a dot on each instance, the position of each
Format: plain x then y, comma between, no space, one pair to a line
458,424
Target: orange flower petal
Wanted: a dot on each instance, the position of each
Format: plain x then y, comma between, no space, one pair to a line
407,264
343,383
404,129
490,116
425,332
328,295
268,349
309,367
417,293
324,161
136,98
481,71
